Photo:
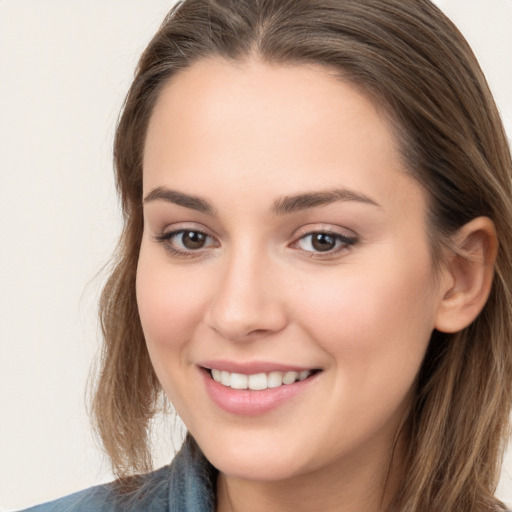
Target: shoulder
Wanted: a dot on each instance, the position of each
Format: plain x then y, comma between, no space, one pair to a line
186,485
151,495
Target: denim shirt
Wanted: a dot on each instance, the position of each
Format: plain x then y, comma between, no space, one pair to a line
186,485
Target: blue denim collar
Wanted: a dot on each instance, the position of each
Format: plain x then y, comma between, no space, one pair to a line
192,481
186,485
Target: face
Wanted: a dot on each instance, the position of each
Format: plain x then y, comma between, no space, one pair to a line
284,254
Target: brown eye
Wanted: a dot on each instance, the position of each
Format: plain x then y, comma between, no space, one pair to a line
186,241
193,240
323,242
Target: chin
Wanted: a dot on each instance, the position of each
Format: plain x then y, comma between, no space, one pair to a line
256,460
262,469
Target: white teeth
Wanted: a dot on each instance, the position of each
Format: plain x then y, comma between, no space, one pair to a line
304,374
275,379
239,381
225,378
290,377
258,381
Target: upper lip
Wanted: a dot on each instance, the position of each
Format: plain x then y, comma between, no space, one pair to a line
252,367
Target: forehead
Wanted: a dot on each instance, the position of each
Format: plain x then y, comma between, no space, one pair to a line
301,126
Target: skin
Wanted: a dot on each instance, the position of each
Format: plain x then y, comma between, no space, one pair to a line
241,136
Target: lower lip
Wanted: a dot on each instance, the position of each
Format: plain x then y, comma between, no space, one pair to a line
246,402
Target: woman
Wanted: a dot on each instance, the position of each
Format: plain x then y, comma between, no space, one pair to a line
315,266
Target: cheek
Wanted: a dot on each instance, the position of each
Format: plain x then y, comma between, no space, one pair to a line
373,321
169,304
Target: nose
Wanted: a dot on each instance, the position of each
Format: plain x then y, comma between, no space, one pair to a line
247,301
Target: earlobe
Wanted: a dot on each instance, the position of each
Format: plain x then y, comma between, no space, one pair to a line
470,268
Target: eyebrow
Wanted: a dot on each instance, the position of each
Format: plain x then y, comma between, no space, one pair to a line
181,199
282,206
291,204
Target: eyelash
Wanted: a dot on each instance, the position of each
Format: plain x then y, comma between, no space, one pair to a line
343,243
166,240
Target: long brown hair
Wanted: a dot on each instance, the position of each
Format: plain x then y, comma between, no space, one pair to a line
410,59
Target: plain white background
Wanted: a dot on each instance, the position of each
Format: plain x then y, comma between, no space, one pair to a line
64,69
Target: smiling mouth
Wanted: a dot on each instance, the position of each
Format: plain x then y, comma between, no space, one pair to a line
259,381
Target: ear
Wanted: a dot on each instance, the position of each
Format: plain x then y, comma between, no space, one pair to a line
469,269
